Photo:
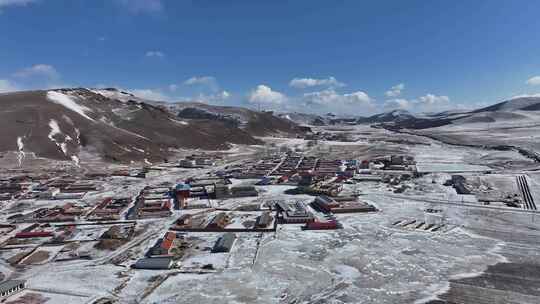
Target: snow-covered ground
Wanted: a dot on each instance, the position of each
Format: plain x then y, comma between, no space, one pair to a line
68,102
370,260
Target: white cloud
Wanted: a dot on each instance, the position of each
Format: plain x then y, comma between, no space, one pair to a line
44,70
426,103
150,94
534,80
159,54
168,93
302,83
332,98
207,81
199,80
225,94
431,100
525,96
358,98
398,103
217,98
6,3
142,6
265,95
7,86
395,90
429,103
38,76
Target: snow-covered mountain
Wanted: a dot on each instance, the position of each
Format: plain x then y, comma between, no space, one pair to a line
514,104
515,110
391,116
254,122
117,126
305,119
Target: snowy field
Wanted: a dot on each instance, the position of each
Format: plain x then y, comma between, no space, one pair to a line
370,260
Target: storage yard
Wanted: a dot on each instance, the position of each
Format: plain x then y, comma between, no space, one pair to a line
357,220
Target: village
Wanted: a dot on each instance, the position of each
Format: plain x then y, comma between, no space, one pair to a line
208,213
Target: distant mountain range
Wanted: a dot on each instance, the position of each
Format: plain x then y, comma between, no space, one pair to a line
120,127
513,109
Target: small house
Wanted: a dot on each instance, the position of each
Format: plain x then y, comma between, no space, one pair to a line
264,220
243,191
184,220
224,243
11,287
157,263
219,221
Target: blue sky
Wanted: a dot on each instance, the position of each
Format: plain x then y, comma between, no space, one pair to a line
355,57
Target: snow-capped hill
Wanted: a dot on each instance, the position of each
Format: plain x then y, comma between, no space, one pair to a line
399,113
61,124
517,110
391,116
304,119
254,122
515,104
114,93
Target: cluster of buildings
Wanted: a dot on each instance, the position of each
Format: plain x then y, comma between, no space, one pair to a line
262,168
288,166
328,168
63,188
316,175
308,164
153,202
329,136
10,190
110,209
129,172
119,172
391,163
199,161
30,237
207,187
320,176
212,220
196,193
44,187
291,164
69,212
168,251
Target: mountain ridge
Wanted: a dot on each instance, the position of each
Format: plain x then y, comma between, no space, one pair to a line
60,124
